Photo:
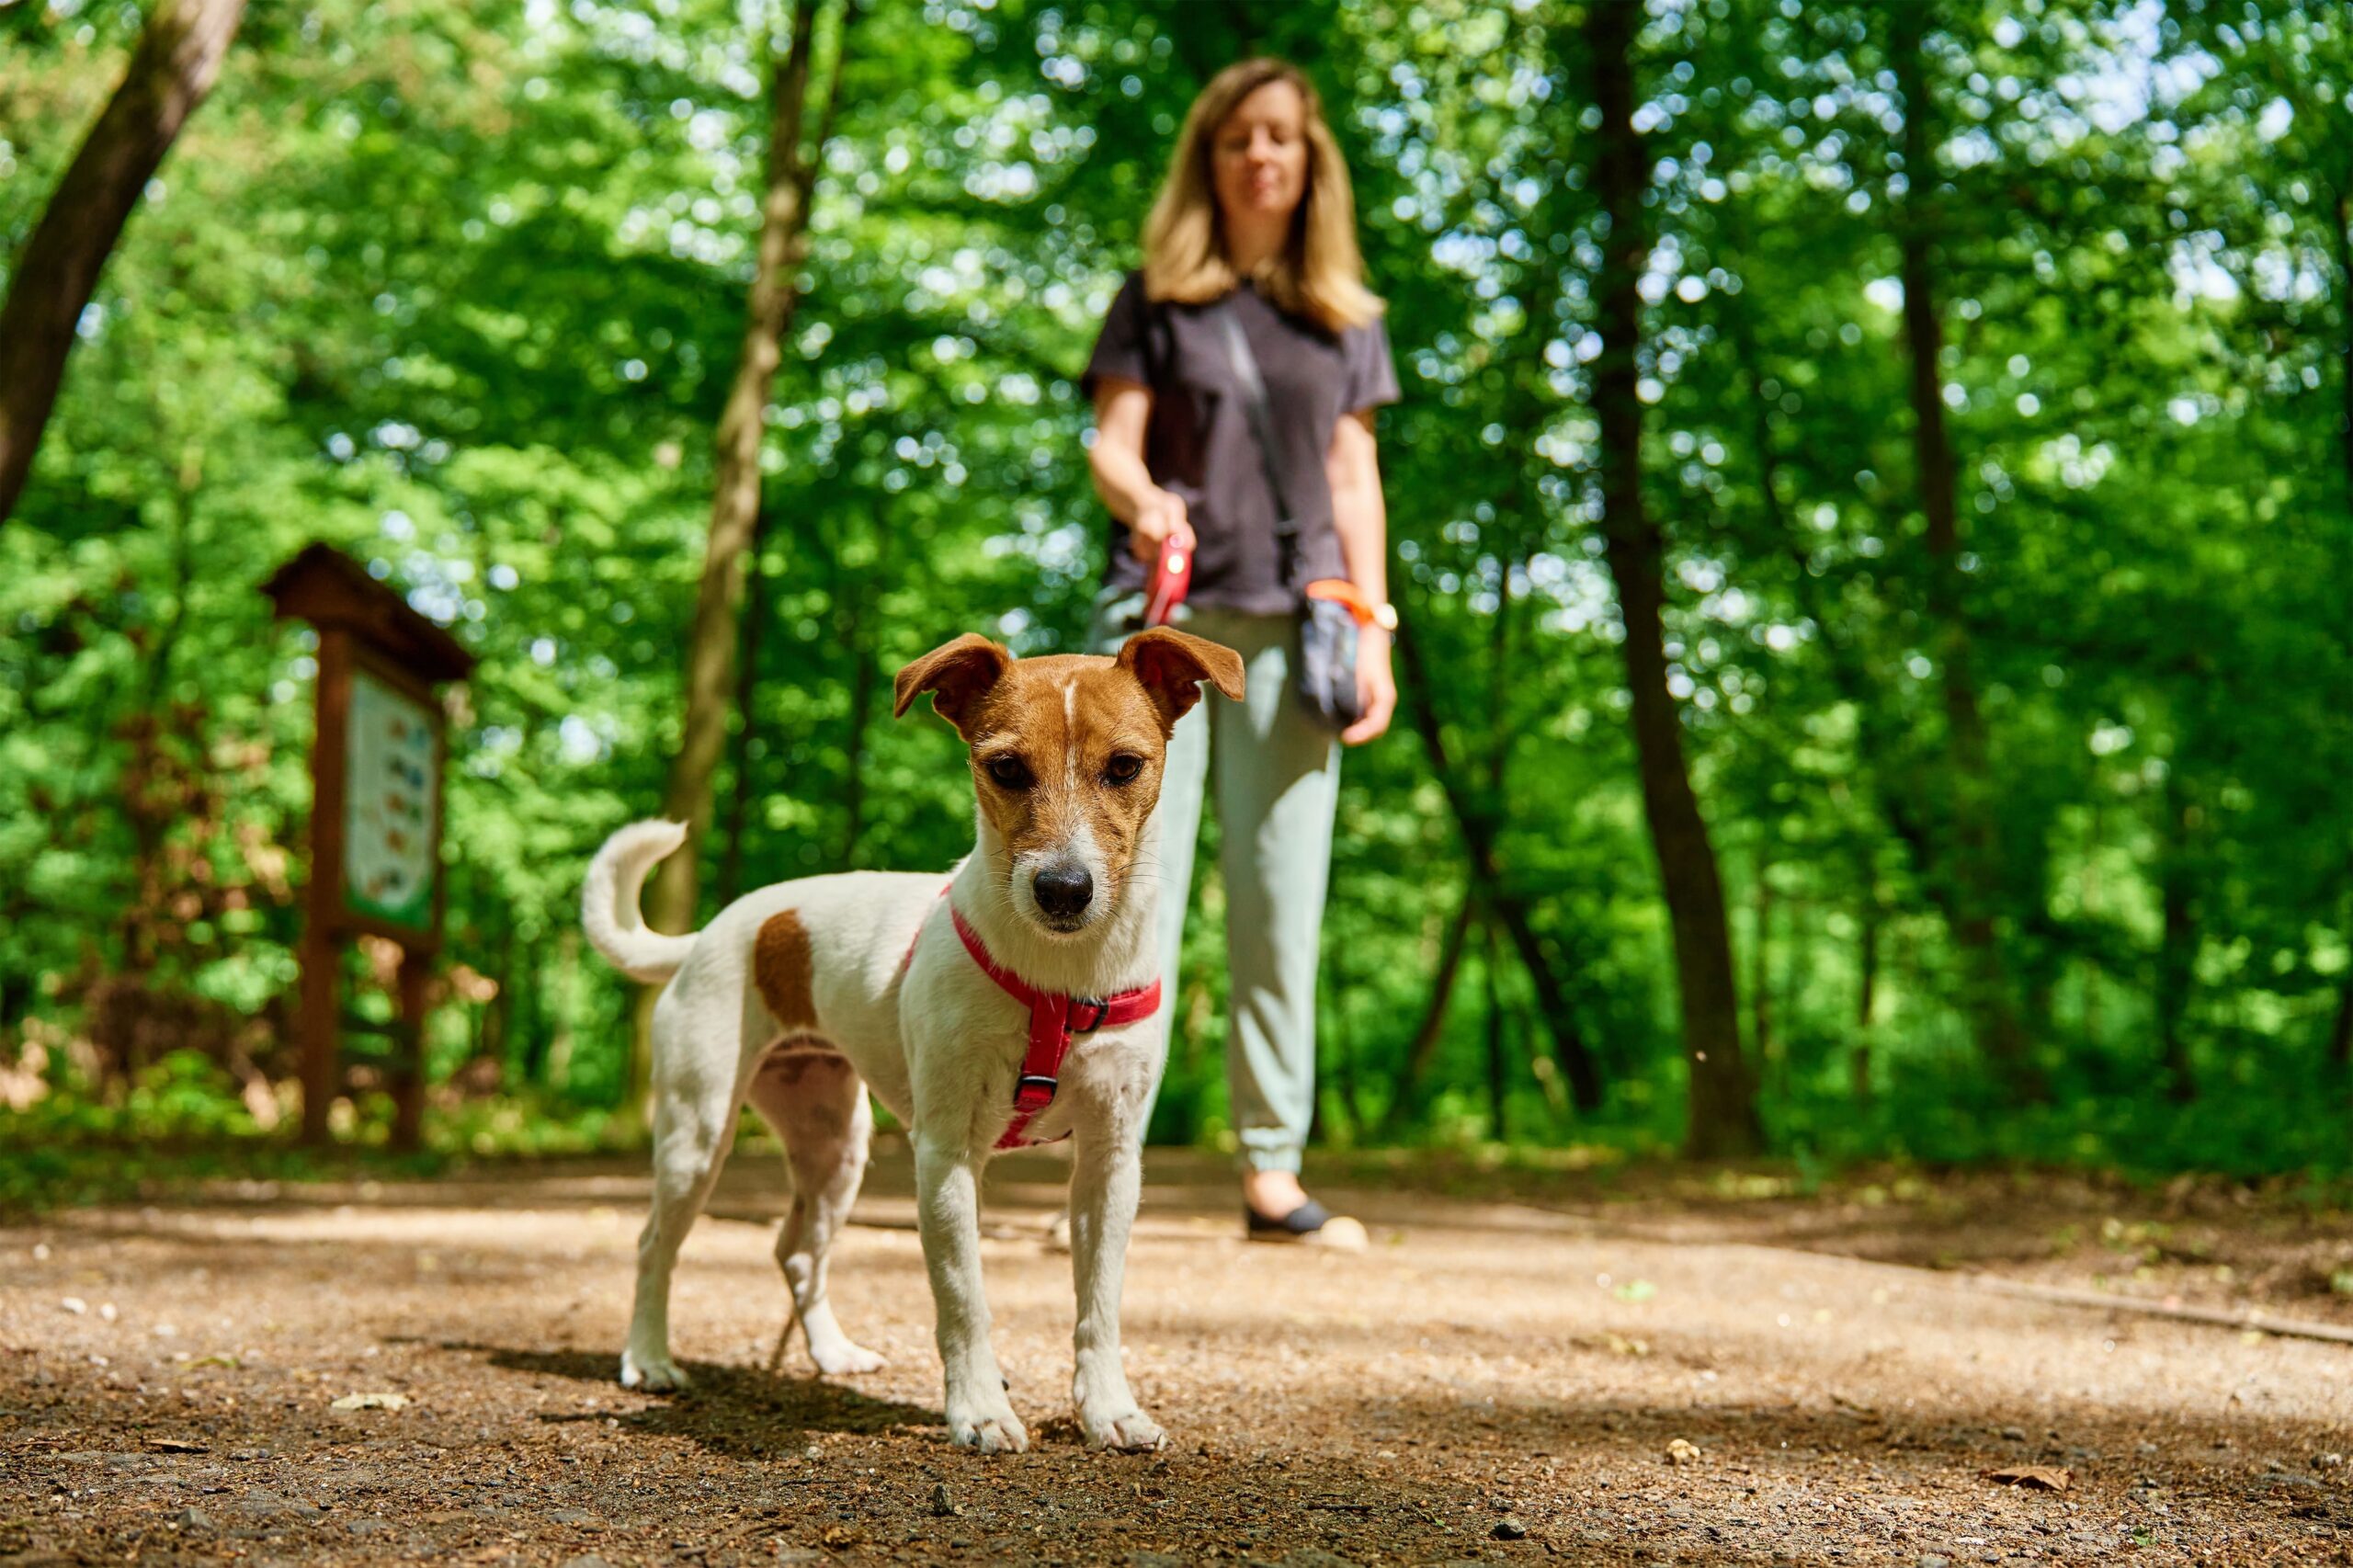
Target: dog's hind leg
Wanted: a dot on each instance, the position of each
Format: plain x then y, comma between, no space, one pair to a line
817,1105
695,1102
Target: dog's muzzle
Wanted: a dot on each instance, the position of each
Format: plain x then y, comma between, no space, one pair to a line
1063,893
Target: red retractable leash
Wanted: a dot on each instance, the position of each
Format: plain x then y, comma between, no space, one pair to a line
1171,576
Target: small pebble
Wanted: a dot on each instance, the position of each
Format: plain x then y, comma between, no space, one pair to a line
1510,1529
194,1519
73,1304
943,1507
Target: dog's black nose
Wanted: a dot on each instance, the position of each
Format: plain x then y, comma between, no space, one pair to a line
1063,890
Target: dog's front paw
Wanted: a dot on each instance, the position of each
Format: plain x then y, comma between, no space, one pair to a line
991,1430
1131,1433
654,1374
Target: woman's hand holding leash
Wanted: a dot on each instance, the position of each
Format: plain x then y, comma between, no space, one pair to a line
1160,518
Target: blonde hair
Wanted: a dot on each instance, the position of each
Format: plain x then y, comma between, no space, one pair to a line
1318,273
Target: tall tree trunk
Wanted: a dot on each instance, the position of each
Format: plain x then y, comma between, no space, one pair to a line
735,493
748,676
1433,1025
174,67
1968,866
1498,1117
1478,830
1721,1114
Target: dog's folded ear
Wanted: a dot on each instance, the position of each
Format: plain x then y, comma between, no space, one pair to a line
958,675
1172,665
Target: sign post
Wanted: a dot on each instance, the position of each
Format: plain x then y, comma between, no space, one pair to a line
376,812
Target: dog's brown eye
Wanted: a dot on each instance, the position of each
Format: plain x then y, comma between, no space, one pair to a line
1124,769
1008,772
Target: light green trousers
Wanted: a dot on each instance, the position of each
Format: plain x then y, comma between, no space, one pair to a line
1278,778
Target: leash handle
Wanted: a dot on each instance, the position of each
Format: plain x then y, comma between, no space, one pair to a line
1170,579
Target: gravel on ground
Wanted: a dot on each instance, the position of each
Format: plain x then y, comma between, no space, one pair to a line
1600,1379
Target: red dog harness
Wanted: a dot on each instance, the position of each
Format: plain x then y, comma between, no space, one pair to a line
1054,1019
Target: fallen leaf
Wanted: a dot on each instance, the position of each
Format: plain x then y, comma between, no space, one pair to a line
2033,1477
175,1446
371,1402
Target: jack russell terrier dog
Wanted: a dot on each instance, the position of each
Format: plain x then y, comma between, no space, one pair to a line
1016,1005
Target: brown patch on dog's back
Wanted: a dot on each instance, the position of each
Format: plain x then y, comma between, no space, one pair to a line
784,970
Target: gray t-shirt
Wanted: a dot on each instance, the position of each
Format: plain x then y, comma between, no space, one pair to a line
1199,443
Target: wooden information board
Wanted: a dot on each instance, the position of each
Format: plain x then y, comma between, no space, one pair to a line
376,768
392,805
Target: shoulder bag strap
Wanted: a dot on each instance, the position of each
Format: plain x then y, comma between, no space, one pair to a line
1262,425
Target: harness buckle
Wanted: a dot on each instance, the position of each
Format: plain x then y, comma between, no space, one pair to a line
1102,1014
1034,1092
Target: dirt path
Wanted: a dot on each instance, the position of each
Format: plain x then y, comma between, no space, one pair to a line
1491,1383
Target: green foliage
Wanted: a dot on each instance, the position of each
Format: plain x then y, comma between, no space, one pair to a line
184,1120
458,288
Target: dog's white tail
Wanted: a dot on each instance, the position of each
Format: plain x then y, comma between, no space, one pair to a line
608,902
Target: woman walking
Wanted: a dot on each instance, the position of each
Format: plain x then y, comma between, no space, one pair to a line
1254,235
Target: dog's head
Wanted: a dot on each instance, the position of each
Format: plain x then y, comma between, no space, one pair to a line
1066,754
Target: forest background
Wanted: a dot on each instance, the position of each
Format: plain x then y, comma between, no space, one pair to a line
1871,506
